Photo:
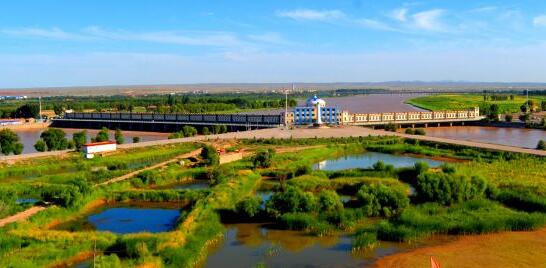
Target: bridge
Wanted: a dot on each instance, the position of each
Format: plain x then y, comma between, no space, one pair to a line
166,122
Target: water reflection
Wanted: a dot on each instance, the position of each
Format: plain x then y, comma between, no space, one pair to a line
128,219
246,245
519,137
366,160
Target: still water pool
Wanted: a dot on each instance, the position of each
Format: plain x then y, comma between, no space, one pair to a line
127,219
366,160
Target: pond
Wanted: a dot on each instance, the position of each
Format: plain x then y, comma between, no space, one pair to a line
246,245
366,160
124,219
193,185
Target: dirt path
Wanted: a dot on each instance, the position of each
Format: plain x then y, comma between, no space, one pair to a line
21,215
499,250
136,172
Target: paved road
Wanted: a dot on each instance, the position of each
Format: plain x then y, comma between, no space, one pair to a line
348,131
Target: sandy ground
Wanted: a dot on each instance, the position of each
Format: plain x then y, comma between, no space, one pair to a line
500,250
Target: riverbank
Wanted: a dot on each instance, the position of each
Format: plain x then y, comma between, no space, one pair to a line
506,249
28,126
299,133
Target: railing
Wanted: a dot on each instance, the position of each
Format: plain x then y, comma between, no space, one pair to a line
185,118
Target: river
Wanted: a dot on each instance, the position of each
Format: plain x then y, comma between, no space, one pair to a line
29,136
518,137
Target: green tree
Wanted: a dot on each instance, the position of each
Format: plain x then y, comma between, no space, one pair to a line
447,189
380,200
494,112
292,199
136,139
102,135
508,118
26,111
79,139
119,136
210,156
263,158
329,201
9,142
249,206
58,109
189,131
40,146
54,139
205,131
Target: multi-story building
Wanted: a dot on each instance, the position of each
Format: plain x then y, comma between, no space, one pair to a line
315,112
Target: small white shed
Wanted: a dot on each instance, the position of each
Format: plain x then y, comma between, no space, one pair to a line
90,149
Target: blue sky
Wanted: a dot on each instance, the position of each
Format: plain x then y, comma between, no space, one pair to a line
68,43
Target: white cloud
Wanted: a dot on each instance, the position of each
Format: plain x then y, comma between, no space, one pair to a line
399,14
540,21
310,14
270,37
219,39
429,20
52,33
375,24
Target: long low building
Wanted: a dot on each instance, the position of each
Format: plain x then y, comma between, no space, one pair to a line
316,112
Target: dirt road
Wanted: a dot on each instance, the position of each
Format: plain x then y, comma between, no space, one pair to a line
164,163
21,215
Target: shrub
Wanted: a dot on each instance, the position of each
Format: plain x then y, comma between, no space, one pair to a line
380,200
420,131
508,118
118,136
9,142
136,139
448,189
263,158
541,145
391,127
249,206
329,201
296,221
79,139
189,131
290,200
54,139
210,156
364,239
102,135
410,131
205,131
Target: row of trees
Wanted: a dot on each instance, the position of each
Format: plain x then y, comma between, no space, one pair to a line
54,139
207,103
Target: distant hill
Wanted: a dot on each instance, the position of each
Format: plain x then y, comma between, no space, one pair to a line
437,86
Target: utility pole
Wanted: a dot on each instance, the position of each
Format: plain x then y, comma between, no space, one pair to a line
95,253
285,107
40,105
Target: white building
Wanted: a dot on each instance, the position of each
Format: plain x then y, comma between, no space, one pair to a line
90,149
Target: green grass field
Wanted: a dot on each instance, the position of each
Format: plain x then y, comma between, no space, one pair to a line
468,101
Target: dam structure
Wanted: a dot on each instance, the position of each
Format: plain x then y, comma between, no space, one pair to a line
315,112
